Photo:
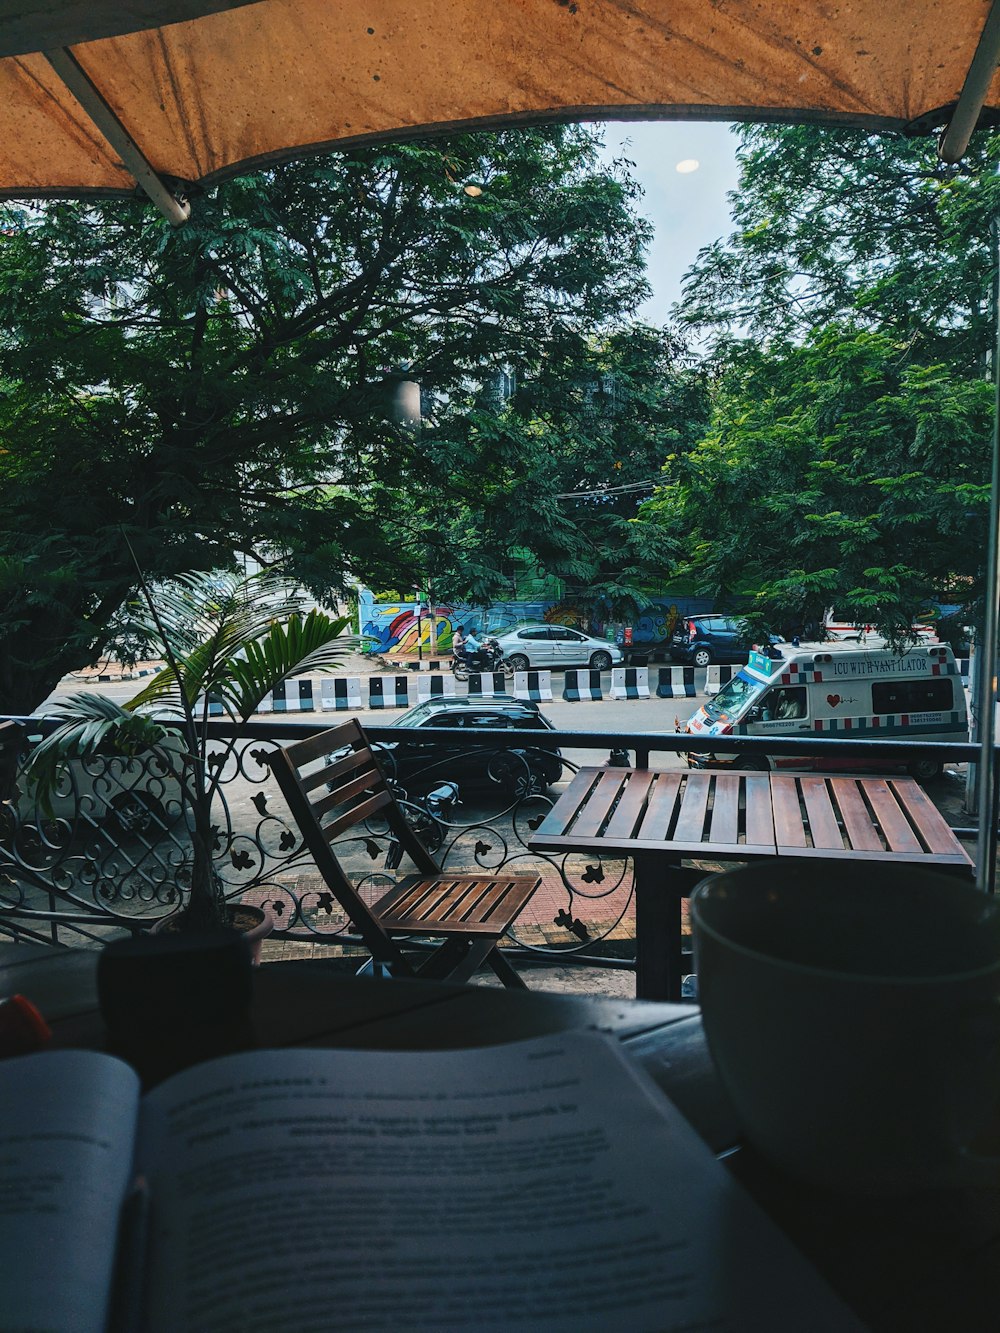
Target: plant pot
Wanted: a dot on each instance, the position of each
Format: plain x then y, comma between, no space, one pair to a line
256,934
253,923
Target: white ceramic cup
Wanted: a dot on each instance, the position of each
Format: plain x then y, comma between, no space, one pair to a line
853,1014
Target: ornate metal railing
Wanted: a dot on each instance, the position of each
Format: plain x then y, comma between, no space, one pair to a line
110,851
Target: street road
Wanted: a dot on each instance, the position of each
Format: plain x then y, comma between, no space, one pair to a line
606,715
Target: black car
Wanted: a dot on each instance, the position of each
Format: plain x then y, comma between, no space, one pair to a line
701,640
420,765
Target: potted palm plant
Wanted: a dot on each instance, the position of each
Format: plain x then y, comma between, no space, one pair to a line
226,640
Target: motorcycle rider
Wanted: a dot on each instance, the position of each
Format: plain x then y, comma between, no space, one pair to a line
472,648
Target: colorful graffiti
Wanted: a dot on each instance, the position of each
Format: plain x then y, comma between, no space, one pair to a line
565,615
394,627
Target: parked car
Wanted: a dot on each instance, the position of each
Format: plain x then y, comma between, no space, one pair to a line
125,796
419,764
702,640
540,646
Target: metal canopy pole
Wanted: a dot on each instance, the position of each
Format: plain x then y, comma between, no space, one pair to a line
986,667
65,64
955,139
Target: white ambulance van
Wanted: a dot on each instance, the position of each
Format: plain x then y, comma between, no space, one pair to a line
837,690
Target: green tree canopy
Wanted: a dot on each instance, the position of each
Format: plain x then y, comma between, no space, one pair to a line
833,223
836,472
847,460
219,389
560,470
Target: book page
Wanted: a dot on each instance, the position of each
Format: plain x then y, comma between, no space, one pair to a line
539,1185
67,1125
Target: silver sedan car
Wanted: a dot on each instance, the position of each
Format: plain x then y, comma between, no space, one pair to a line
540,646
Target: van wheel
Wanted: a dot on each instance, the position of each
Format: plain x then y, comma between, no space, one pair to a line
754,766
925,770
702,657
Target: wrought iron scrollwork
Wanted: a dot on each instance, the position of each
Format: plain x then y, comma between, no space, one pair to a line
111,850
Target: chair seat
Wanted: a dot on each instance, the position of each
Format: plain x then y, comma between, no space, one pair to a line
465,905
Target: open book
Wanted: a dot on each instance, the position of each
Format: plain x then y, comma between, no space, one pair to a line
546,1184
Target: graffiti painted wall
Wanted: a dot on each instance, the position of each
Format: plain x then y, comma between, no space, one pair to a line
396,626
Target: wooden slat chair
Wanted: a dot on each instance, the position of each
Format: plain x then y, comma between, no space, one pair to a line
468,913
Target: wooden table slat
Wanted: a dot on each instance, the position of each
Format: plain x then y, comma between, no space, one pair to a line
824,830
932,824
862,835
759,813
725,812
899,836
690,827
590,818
662,807
789,830
561,815
631,805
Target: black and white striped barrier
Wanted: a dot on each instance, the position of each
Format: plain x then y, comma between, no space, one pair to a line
291,696
580,685
430,664
676,682
487,684
629,683
340,692
717,676
388,691
534,685
435,686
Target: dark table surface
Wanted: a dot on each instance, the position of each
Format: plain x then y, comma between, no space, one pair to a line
929,1264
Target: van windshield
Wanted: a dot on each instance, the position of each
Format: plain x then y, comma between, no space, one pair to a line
735,695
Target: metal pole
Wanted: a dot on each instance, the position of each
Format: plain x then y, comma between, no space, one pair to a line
968,108
64,62
432,628
986,672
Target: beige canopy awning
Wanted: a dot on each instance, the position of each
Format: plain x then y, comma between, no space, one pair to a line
194,90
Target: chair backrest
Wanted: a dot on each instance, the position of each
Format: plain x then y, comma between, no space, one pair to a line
332,783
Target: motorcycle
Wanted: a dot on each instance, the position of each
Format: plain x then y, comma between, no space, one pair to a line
489,658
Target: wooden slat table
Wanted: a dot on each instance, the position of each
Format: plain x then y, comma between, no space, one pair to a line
662,818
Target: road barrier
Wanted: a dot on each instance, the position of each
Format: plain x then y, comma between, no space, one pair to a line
435,686
340,692
630,683
378,692
534,685
487,684
580,685
676,682
388,691
291,696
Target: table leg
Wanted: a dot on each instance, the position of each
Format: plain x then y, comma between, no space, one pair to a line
660,884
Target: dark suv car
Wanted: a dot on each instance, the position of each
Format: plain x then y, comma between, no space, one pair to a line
702,640
470,761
